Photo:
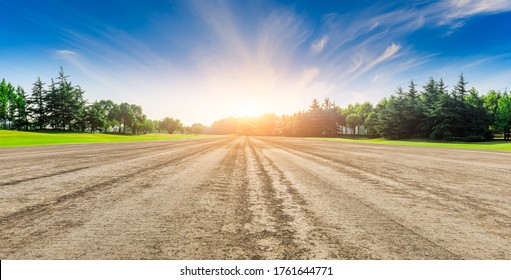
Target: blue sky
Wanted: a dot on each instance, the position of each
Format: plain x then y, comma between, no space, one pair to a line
203,60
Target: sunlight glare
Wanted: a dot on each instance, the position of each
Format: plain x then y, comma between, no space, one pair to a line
247,109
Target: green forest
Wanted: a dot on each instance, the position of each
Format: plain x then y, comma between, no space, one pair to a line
430,112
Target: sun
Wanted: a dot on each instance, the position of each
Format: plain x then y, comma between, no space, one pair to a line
250,103
248,109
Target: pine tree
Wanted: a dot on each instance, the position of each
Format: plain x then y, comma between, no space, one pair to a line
36,108
460,90
478,119
65,92
414,112
65,104
460,110
20,115
442,88
428,98
444,118
54,104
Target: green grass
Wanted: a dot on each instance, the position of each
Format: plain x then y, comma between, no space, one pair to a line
496,145
10,138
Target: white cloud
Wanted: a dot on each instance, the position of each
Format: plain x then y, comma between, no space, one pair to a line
65,52
465,8
67,55
454,13
389,53
319,45
376,24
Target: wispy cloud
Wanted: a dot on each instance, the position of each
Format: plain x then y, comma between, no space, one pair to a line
455,9
454,13
369,44
389,53
65,52
319,45
68,56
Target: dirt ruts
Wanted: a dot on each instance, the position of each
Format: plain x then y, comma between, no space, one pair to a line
253,198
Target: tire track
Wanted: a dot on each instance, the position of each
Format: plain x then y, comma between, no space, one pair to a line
70,161
279,237
382,225
318,239
31,192
211,222
110,183
57,209
442,197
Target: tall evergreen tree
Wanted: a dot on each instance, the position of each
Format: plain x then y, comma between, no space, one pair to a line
54,104
478,119
460,90
390,117
442,88
36,105
460,109
428,98
68,106
330,118
445,118
21,115
414,113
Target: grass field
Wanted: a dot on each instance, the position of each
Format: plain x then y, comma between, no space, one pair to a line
497,145
9,138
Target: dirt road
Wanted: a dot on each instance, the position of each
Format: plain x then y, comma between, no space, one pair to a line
253,198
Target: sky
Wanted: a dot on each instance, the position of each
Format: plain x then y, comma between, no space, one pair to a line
202,60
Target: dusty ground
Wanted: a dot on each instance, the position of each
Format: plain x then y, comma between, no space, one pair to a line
253,198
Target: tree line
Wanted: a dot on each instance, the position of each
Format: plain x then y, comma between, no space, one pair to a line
433,112
61,106
437,113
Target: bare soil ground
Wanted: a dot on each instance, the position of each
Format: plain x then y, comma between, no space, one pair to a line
253,198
